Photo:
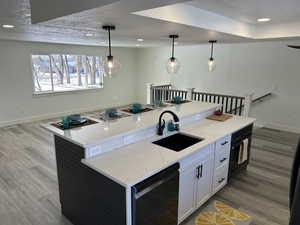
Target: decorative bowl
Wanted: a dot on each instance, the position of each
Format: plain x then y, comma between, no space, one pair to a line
177,99
135,108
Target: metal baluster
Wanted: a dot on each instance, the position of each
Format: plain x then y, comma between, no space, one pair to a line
231,102
241,106
236,107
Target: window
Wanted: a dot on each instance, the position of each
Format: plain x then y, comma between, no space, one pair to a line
59,73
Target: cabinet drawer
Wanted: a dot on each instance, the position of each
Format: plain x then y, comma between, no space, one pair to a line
223,143
222,157
220,178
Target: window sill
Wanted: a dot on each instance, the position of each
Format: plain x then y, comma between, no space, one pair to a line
74,91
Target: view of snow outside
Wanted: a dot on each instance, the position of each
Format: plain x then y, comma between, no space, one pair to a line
57,73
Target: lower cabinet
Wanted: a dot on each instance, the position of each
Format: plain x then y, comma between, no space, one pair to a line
202,175
195,185
187,186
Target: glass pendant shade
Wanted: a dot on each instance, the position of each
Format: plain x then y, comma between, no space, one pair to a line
211,60
172,65
111,66
211,64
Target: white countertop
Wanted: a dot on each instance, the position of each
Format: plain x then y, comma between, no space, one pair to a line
133,163
94,134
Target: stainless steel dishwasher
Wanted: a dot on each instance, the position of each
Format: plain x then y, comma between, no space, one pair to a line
155,200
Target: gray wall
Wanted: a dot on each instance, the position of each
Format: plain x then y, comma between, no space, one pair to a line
16,89
241,68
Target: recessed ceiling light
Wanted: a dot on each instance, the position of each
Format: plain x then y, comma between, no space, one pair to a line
89,35
8,26
140,39
263,20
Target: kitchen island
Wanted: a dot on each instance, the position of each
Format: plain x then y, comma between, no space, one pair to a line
100,165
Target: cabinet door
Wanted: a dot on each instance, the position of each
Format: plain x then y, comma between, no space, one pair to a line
187,184
204,181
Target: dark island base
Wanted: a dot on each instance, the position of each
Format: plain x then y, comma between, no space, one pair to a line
86,196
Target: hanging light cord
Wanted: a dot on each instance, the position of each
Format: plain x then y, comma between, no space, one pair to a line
109,42
173,46
212,50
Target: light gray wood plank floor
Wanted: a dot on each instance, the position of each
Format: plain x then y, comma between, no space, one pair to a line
262,191
29,189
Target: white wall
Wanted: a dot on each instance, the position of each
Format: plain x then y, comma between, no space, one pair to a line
241,68
16,97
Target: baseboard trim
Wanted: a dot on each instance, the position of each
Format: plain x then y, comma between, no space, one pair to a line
258,125
279,127
51,116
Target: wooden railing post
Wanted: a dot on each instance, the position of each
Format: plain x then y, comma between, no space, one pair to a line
190,93
248,101
149,93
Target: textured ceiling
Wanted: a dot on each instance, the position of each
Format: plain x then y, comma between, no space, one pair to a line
73,28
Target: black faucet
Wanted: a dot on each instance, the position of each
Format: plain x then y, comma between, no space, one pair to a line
161,127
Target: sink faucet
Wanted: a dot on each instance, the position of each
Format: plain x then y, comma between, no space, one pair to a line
161,126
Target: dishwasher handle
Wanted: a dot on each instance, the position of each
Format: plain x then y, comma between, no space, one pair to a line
155,181
148,189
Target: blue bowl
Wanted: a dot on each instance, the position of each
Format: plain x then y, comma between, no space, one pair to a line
177,99
135,108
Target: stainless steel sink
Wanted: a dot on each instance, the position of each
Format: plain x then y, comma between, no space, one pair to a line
178,142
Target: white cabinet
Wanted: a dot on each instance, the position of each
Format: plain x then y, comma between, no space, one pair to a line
204,176
187,186
195,186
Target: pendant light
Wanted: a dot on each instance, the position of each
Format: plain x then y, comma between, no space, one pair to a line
111,64
173,64
212,61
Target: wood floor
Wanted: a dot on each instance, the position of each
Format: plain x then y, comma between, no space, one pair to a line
29,190
262,191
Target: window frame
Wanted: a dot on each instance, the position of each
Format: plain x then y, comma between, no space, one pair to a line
69,91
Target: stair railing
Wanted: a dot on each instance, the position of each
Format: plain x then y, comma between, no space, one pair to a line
231,104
